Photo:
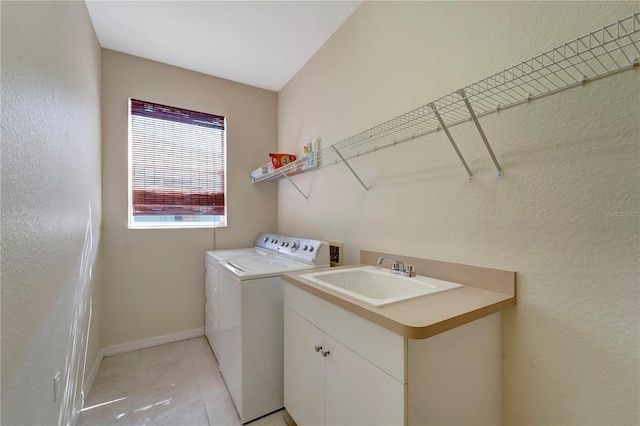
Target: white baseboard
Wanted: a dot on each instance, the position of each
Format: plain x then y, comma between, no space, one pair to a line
88,383
75,416
152,341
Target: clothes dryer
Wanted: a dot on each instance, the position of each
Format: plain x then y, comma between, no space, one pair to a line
263,244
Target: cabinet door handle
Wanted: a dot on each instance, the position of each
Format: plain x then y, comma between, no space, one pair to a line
318,348
325,353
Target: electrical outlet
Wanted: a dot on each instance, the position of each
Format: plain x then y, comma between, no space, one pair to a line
335,252
56,386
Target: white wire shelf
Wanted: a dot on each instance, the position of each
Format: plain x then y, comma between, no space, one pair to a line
601,53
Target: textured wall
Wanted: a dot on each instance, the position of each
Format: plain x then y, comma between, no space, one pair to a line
51,205
154,279
571,163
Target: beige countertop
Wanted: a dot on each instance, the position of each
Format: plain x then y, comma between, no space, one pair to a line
432,314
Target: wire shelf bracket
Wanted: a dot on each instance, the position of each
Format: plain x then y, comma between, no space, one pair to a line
607,51
453,142
346,163
306,197
499,171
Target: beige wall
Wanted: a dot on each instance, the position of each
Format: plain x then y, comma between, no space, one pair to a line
154,279
571,344
51,207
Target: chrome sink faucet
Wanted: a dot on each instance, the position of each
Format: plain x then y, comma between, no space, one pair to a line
397,267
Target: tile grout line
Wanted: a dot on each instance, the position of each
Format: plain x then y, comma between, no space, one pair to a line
136,386
199,378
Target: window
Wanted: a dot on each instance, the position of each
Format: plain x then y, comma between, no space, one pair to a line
176,167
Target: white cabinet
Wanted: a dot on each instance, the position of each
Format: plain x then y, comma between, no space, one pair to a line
373,376
304,372
357,392
328,382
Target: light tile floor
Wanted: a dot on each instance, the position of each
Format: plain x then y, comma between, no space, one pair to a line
173,384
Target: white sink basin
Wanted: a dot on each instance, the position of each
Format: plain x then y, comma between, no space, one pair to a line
378,287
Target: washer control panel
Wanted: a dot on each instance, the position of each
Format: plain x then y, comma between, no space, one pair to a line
313,252
269,242
304,250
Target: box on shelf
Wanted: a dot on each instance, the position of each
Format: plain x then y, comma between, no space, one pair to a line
279,160
310,155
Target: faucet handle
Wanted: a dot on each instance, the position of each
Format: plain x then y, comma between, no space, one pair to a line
395,266
410,270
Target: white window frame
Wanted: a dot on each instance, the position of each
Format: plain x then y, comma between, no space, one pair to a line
190,223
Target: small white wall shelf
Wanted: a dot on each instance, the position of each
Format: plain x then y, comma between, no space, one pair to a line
601,53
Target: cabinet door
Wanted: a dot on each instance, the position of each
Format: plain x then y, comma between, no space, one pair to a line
359,393
303,370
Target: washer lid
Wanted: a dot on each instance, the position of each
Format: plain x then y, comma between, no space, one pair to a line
262,266
219,255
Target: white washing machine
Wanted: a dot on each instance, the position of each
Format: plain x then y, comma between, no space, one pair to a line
251,337
262,245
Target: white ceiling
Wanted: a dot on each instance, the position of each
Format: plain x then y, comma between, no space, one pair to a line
260,43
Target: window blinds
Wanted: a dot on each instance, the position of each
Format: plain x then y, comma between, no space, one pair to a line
177,161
